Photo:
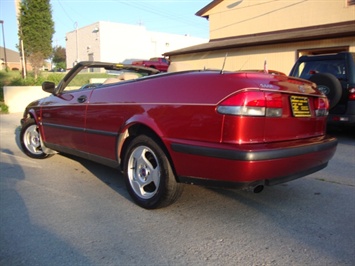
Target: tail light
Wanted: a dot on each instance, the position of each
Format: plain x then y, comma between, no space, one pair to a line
321,106
352,94
252,103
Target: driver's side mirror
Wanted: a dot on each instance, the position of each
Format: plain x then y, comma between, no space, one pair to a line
48,86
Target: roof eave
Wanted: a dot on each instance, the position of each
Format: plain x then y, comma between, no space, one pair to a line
202,12
336,30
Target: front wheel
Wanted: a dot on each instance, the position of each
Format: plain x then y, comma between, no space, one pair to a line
30,139
148,175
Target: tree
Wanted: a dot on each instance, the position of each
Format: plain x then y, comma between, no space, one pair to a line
36,30
59,57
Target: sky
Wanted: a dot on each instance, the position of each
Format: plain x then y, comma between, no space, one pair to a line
168,16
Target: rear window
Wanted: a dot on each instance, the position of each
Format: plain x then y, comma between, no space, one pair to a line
335,67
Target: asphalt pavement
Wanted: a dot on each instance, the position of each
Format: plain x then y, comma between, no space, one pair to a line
68,211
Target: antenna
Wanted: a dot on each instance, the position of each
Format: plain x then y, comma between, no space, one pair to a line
224,63
266,71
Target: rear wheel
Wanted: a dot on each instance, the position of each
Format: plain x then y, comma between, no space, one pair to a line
30,140
148,175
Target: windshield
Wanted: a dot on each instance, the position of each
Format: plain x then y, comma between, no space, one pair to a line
91,77
88,75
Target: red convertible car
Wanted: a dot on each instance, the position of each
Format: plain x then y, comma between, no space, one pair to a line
243,129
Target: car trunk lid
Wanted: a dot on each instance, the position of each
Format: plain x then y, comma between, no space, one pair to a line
276,108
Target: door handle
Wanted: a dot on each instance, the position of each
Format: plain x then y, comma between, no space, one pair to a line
82,99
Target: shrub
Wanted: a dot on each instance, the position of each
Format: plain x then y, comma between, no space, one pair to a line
4,109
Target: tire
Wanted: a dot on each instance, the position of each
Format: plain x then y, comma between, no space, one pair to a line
30,140
148,175
330,86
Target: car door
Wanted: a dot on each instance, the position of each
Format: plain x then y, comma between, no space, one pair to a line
104,118
110,107
63,118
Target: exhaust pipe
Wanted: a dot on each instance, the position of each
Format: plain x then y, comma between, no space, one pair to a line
257,188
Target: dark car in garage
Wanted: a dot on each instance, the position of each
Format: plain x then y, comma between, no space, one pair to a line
334,75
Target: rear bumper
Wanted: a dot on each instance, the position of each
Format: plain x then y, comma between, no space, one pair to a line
340,120
348,118
240,165
257,154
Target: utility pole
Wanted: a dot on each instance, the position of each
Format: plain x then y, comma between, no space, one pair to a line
3,37
22,57
76,42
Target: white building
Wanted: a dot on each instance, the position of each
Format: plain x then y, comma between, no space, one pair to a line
116,42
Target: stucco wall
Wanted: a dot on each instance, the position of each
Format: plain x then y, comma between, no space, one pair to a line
233,18
280,57
18,97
